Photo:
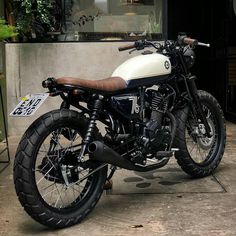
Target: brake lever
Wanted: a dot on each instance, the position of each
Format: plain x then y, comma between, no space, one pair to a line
132,50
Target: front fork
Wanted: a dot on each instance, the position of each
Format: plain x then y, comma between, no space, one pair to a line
195,99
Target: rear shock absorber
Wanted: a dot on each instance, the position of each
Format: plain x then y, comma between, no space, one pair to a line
96,108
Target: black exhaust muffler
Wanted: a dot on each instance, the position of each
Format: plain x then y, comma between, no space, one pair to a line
102,153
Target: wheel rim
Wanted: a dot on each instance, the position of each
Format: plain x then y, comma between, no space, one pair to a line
200,147
49,175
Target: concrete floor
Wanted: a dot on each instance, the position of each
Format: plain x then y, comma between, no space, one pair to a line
164,202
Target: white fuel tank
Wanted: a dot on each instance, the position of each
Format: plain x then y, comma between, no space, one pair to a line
143,66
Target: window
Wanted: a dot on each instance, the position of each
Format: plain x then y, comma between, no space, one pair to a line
112,20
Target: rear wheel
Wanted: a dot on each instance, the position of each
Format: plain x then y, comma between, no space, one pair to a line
200,155
51,187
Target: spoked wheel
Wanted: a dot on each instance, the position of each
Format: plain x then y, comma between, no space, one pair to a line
54,188
199,155
59,180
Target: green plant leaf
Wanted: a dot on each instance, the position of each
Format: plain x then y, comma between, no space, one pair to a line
6,31
34,16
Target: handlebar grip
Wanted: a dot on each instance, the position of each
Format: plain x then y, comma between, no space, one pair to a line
126,47
189,41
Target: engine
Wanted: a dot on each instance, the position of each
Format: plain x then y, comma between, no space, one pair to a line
150,132
155,135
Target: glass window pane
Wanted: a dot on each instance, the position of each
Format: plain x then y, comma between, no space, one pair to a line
114,19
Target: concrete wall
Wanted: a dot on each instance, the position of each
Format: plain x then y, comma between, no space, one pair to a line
3,88
2,82
1,48
27,65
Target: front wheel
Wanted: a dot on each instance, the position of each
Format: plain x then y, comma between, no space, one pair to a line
200,155
51,186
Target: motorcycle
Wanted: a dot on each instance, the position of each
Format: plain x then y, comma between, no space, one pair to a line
151,110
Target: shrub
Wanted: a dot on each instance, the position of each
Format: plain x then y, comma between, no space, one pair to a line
34,17
6,31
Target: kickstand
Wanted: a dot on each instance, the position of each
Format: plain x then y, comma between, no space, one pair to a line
108,185
113,169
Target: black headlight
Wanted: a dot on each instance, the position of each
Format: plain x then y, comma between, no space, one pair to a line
189,56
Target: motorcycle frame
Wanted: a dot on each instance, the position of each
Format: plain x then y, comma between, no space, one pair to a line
96,100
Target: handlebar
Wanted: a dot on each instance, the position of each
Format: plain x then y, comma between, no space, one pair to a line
182,41
191,42
127,47
204,44
139,45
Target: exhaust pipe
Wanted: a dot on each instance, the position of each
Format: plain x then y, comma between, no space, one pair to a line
102,153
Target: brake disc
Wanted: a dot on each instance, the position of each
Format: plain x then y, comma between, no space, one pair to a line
204,141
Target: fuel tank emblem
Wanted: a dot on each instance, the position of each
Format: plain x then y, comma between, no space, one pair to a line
167,65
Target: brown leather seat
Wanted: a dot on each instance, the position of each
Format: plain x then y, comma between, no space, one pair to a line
109,84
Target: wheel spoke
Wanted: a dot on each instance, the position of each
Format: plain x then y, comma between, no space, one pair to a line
59,194
54,189
45,175
193,147
45,188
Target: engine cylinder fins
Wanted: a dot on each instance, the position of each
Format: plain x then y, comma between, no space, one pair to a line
159,103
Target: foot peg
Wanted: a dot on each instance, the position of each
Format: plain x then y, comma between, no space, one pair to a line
162,154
